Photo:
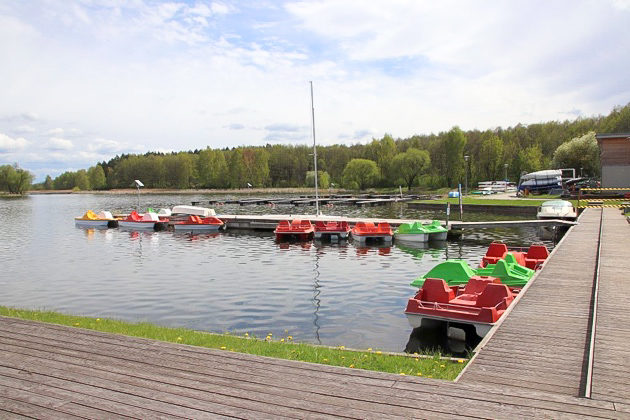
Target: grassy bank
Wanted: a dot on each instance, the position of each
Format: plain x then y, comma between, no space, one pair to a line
525,202
279,347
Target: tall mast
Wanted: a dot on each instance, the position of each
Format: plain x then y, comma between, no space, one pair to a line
314,152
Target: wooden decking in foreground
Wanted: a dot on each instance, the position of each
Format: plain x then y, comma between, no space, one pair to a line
533,366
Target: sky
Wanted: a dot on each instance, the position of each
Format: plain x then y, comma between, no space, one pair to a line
83,81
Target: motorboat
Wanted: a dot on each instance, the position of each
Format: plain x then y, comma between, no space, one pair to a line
364,231
480,303
412,232
198,224
541,181
557,209
298,229
146,221
332,229
90,219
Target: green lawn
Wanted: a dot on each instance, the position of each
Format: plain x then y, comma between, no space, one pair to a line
490,202
286,347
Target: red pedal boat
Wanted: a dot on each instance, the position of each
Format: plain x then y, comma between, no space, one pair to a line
480,303
198,224
532,257
299,229
363,231
334,230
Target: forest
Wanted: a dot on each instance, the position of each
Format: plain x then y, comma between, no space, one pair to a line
424,161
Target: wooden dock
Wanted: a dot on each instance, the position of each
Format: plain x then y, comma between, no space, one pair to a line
270,221
534,365
358,200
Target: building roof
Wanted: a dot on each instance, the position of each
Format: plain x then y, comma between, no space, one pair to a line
612,136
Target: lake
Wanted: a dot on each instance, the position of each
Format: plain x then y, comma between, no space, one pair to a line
237,281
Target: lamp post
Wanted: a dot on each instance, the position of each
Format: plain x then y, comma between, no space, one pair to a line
505,165
466,169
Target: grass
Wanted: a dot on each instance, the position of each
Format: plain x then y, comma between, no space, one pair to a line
285,347
525,202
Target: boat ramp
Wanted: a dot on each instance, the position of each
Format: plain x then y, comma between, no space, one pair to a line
560,352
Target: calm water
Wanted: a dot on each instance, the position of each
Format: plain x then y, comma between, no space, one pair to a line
237,281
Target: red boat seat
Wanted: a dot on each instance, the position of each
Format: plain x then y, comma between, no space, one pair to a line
134,216
383,227
343,225
436,290
496,251
319,224
283,223
536,255
477,284
495,294
306,224
519,257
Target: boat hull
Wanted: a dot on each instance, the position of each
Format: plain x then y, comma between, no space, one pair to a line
366,238
285,236
101,224
415,320
137,225
331,234
438,236
196,227
413,237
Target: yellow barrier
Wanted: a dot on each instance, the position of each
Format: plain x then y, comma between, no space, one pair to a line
605,189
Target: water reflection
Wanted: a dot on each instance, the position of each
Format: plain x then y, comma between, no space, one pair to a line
333,293
447,338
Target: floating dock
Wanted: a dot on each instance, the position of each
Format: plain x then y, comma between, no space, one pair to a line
359,200
560,352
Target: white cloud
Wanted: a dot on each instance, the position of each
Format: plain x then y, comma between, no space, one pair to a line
59,144
11,145
25,128
55,131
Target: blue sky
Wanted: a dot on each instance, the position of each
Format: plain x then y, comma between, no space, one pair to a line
82,81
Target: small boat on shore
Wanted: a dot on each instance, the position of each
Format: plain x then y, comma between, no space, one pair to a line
480,303
412,232
92,220
333,230
298,229
137,222
198,224
364,231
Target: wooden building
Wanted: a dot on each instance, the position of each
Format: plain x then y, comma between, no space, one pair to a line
614,151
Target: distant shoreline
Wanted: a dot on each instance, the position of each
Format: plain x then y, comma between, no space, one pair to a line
188,191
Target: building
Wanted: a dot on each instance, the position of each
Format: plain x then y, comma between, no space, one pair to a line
614,152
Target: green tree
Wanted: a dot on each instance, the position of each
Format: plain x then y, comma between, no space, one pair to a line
212,169
363,173
236,169
454,145
579,152
48,183
15,180
323,179
96,176
81,180
490,159
530,159
382,152
256,162
178,170
410,165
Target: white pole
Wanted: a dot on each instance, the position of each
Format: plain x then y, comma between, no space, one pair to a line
314,152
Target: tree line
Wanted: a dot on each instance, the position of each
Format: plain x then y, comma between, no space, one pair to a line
427,161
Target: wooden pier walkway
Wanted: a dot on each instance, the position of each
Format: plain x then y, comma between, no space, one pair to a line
533,366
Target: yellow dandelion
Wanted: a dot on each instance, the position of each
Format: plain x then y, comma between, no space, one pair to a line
223,347
351,366
343,357
365,356
419,373
403,373
324,360
282,340
370,349
179,338
460,360
270,334
442,366
290,337
246,334
430,376
379,352
417,359
98,319
76,324
342,347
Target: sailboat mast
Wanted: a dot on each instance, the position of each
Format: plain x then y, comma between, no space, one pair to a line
314,152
